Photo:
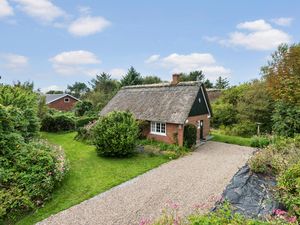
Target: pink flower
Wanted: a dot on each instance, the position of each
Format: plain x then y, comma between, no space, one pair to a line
279,212
144,222
292,219
174,206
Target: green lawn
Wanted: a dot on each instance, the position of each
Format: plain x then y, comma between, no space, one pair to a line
231,139
89,174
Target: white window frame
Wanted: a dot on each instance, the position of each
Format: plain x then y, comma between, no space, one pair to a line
155,128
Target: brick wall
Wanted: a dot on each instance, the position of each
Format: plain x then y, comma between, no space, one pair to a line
172,130
61,105
177,130
206,124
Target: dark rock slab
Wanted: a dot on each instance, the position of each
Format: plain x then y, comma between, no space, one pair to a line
250,194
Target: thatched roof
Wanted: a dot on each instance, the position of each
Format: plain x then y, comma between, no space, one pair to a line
213,94
158,102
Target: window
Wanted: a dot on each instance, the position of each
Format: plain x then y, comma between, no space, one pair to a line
158,128
66,100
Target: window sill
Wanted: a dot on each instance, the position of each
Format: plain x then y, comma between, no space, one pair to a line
160,134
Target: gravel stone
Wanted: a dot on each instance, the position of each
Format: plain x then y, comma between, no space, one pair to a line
188,181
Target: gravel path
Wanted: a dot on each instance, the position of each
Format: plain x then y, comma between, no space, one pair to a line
192,180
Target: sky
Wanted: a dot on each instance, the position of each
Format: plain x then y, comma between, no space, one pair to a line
56,43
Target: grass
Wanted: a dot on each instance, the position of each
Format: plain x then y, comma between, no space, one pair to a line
231,139
89,174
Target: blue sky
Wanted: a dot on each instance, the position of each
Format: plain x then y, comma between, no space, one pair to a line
55,43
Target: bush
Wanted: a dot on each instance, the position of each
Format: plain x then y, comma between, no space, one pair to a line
289,188
171,151
244,129
189,135
277,157
82,121
116,134
286,119
58,122
260,141
29,173
82,107
22,104
143,125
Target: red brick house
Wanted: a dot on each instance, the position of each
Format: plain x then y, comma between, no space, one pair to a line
167,107
62,102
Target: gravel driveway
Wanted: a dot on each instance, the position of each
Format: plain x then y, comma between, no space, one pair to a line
189,181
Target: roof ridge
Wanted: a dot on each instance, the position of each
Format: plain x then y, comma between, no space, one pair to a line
166,84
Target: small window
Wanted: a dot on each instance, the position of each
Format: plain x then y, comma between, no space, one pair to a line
158,128
66,100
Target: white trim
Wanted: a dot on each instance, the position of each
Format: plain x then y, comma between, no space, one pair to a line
209,114
158,133
63,97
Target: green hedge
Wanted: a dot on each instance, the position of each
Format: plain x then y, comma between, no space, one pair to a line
58,122
116,134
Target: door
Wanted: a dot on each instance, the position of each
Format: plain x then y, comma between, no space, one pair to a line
201,130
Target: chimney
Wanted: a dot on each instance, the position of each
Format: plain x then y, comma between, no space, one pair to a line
175,79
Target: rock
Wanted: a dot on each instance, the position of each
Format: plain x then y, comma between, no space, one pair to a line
250,194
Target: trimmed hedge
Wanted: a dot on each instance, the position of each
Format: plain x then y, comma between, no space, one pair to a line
189,135
58,122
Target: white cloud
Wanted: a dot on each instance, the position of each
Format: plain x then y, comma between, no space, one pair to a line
51,88
258,35
88,25
152,58
14,61
283,21
257,25
74,62
177,63
117,73
5,9
43,10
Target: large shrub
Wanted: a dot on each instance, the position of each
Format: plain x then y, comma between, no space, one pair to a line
116,134
85,120
286,119
82,107
58,122
277,157
189,135
29,170
23,106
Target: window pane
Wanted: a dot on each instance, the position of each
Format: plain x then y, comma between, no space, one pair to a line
158,127
152,127
163,128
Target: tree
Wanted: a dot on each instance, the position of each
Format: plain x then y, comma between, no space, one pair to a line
151,80
208,84
131,78
283,74
222,83
256,105
54,92
83,107
77,89
103,89
192,76
27,85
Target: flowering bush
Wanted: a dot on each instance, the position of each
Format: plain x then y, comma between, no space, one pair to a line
222,216
29,173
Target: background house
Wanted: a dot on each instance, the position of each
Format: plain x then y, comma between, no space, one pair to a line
62,102
166,107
